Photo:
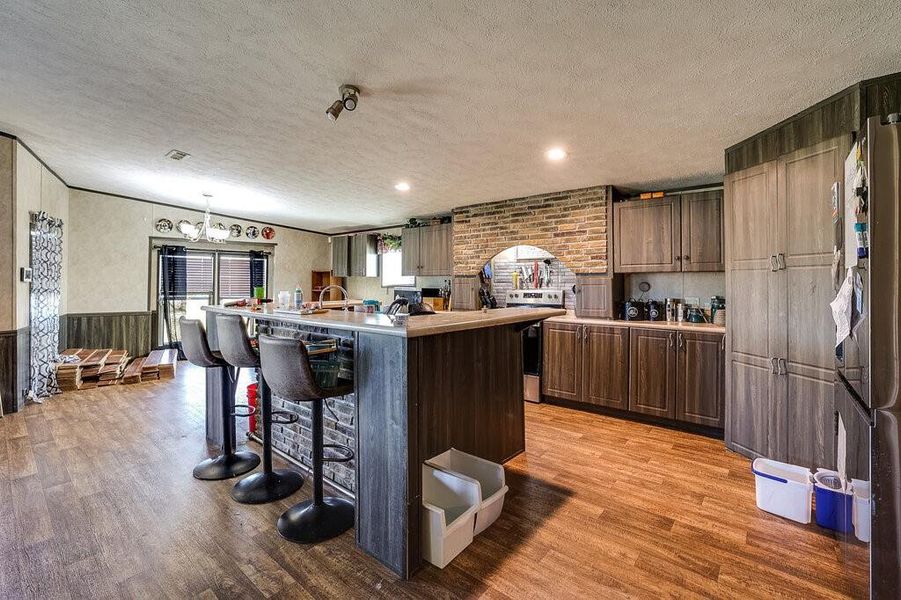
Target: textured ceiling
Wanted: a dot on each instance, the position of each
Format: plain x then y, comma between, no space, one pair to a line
459,98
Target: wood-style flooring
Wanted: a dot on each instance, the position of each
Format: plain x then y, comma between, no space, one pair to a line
97,501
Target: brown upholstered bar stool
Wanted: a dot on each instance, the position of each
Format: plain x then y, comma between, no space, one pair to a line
197,350
270,484
286,366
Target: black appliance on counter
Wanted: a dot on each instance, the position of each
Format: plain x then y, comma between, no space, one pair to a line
867,390
531,336
413,308
635,310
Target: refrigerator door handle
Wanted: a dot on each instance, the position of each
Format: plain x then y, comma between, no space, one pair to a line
861,408
780,261
775,368
774,266
782,367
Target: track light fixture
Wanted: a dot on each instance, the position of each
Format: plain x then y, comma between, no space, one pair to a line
349,100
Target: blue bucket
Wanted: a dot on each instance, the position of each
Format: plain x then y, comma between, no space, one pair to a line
832,504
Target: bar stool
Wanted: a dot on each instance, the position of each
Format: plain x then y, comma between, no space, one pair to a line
197,350
286,366
270,484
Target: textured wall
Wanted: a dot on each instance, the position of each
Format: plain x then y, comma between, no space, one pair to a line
110,266
8,268
36,189
571,225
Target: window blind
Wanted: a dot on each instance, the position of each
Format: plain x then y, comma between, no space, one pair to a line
199,268
234,275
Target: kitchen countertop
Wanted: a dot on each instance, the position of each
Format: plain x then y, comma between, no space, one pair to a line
684,326
420,325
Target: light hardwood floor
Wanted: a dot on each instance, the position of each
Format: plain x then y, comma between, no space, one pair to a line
97,501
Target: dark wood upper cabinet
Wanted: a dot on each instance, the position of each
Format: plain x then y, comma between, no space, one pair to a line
364,258
409,247
700,374
597,295
561,374
652,366
341,256
427,250
676,233
605,366
436,249
702,231
646,236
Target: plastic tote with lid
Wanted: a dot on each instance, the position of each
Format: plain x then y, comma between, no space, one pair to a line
449,505
783,489
489,475
860,512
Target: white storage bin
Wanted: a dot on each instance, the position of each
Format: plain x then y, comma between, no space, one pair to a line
449,505
783,489
860,510
490,477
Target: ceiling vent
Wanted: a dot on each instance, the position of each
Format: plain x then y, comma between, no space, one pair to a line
177,154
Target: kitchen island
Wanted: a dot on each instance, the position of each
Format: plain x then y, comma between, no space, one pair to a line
421,386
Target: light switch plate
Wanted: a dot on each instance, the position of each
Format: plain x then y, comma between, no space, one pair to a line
25,274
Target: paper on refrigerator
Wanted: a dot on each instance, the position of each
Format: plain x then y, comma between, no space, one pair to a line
841,308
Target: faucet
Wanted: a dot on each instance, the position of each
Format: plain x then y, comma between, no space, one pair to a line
328,287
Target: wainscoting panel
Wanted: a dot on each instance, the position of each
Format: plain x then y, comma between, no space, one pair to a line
15,368
129,330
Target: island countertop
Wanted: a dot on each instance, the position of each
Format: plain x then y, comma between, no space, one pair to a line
418,326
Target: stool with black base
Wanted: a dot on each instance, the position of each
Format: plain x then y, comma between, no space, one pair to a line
270,484
286,366
230,463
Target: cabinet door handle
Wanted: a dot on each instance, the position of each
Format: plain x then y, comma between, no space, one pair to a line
670,339
782,367
780,260
684,257
774,266
724,343
681,339
775,368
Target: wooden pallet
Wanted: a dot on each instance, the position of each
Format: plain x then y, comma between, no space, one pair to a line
133,371
168,363
151,368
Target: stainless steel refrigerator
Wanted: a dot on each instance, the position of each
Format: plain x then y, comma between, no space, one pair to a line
868,366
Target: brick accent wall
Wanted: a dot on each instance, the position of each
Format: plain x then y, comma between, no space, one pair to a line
573,226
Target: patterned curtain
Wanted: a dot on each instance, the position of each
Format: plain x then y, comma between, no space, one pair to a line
46,264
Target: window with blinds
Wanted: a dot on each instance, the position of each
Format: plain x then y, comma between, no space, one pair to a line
199,269
234,276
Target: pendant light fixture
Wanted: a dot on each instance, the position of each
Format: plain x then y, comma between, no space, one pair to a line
213,233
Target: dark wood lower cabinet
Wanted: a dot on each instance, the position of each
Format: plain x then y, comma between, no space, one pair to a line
700,378
652,367
561,373
659,372
605,366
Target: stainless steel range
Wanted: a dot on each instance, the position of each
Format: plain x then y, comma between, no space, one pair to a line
543,298
531,336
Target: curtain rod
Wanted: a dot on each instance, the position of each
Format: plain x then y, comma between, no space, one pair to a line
266,252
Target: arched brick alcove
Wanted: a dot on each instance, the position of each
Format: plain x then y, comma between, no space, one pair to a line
571,225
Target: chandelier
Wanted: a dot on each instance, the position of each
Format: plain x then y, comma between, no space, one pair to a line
205,229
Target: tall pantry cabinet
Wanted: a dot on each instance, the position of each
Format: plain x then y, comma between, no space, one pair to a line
780,343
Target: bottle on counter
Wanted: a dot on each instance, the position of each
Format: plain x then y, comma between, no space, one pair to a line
298,298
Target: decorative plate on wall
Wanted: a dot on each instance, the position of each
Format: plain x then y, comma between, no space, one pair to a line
236,230
182,222
251,232
164,225
268,233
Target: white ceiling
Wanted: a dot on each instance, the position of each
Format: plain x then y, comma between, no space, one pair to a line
461,99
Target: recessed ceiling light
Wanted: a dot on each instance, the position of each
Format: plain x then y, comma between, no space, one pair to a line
402,186
555,154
